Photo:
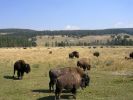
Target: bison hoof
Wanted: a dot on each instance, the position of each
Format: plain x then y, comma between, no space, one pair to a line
20,78
74,97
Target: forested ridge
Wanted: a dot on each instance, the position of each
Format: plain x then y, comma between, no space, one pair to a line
26,37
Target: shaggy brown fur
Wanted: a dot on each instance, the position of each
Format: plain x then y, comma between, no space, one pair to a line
20,66
74,54
55,73
82,63
70,81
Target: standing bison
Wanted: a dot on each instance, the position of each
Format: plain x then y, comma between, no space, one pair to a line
71,81
20,66
82,63
74,54
97,54
55,73
131,55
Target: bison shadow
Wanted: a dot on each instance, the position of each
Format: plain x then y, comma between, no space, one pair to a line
41,90
47,91
63,97
10,77
47,98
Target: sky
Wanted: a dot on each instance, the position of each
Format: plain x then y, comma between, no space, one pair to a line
66,14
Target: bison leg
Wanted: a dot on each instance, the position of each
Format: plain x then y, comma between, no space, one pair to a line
14,73
58,92
51,84
74,91
22,74
19,74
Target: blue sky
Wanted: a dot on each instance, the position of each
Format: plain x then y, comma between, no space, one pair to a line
66,14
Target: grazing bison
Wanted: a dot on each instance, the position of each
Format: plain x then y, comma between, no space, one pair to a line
74,54
71,81
20,66
82,63
50,52
55,73
131,55
71,55
97,54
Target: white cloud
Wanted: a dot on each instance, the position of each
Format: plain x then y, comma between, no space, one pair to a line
123,25
71,27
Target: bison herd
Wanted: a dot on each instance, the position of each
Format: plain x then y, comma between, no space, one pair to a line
69,78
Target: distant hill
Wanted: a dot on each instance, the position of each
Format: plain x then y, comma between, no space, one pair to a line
68,32
13,30
27,37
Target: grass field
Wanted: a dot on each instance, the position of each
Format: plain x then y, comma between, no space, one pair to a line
111,75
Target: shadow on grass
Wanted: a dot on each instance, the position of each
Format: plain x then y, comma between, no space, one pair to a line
10,77
41,90
63,97
47,91
47,98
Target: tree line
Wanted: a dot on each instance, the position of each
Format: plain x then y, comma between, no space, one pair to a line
121,40
16,41
26,37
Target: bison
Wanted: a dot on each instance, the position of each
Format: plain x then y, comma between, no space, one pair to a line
71,55
97,54
82,63
131,55
71,81
20,66
55,73
50,52
74,54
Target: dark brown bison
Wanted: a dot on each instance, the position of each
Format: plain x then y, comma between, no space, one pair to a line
70,81
74,54
71,55
55,73
82,63
20,66
131,55
50,52
97,54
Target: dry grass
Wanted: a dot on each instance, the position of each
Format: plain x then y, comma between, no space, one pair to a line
41,40
104,85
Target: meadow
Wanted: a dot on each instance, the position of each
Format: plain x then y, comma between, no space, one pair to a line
111,74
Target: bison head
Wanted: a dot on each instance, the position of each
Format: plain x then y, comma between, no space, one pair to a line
85,80
27,68
71,55
88,67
